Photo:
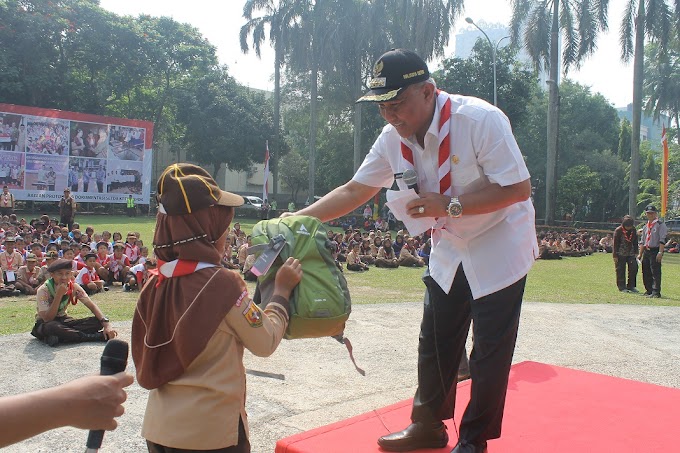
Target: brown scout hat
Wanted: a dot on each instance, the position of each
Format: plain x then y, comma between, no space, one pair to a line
59,265
186,188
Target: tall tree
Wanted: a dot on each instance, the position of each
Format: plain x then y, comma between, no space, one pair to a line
276,17
225,123
539,25
642,19
625,132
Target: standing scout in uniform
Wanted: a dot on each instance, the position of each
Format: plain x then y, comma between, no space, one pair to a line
53,325
651,252
6,202
624,251
194,318
67,209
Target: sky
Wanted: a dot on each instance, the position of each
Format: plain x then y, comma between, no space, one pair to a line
220,21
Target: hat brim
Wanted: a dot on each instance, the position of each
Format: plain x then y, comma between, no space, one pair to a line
230,199
381,95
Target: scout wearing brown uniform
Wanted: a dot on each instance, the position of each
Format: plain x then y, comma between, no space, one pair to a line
189,333
28,276
53,325
624,251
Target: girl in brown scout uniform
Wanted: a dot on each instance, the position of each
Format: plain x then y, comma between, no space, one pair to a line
194,318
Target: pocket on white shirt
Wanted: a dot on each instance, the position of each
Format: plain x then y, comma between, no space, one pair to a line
464,176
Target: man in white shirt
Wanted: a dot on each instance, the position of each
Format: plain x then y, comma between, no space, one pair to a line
473,181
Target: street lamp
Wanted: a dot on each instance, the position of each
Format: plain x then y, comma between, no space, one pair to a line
494,50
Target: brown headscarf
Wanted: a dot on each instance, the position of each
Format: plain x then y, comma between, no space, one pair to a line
174,321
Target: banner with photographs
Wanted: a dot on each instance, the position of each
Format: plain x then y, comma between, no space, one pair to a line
100,159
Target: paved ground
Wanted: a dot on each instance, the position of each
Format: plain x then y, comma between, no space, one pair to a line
321,385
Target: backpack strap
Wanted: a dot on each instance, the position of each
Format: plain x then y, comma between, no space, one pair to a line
348,345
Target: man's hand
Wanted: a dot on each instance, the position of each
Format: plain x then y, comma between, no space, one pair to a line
94,401
659,257
432,204
287,214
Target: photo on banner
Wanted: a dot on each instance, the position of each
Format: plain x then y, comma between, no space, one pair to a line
124,176
46,173
10,130
89,139
86,175
12,170
47,135
126,143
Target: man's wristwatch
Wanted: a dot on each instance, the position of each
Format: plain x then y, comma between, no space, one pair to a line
455,209
104,319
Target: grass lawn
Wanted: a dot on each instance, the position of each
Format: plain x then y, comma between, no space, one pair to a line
587,279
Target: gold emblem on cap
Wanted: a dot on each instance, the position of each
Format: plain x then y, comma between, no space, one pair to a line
377,69
455,159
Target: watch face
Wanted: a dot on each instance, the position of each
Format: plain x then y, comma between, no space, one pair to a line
455,209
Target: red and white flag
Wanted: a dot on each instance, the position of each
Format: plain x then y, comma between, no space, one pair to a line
265,184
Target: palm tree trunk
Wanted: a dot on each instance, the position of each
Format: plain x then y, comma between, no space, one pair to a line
312,126
276,155
357,114
638,78
553,119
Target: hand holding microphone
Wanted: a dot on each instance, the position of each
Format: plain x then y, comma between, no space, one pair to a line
430,204
90,402
113,361
96,400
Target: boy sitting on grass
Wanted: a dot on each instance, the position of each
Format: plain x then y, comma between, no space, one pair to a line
88,277
138,275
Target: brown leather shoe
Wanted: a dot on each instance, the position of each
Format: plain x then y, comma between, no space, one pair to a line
467,447
415,436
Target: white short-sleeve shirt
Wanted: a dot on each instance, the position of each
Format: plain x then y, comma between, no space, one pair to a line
496,249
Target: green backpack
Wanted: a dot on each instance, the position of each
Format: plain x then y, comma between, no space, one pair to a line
320,305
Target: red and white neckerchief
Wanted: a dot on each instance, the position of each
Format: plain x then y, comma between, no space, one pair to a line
9,261
650,225
177,268
444,106
6,200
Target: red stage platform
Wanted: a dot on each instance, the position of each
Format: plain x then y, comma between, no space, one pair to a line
549,409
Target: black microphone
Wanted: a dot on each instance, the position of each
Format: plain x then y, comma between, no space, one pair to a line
114,360
410,177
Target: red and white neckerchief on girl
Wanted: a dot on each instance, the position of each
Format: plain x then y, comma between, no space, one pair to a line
650,225
444,106
177,268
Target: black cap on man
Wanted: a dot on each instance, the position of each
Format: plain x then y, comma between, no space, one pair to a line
392,73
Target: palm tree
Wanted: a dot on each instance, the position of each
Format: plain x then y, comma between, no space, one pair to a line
661,87
276,17
642,19
539,24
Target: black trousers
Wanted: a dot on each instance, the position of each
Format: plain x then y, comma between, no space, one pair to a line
651,271
243,445
444,328
621,264
67,329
